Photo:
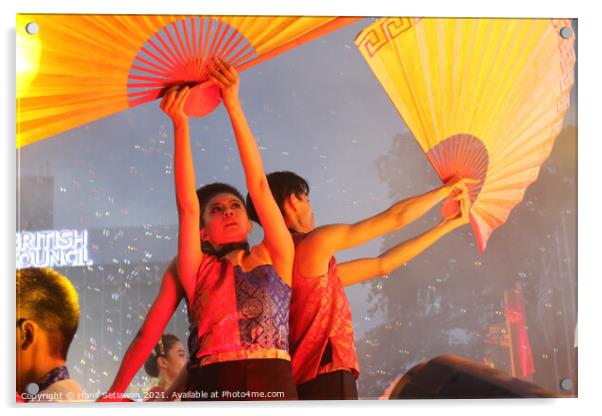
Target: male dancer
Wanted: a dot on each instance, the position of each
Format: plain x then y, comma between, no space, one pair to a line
323,352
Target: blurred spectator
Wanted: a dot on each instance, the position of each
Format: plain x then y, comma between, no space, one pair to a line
47,319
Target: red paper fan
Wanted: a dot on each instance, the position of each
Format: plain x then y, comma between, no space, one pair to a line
460,156
184,52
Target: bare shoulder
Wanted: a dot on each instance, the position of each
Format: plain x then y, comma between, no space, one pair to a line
260,252
319,237
258,256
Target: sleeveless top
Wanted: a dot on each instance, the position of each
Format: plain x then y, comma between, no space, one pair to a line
320,323
238,315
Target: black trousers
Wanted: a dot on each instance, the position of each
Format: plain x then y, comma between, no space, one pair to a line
337,385
256,379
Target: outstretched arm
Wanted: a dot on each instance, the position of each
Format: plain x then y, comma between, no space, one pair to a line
323,242
277,238
189,241
158,316
356,271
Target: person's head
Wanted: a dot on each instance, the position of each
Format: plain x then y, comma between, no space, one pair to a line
167,359
47,319
291,193
223,215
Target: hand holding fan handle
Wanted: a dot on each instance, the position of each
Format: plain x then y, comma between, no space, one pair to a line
458,189
462,216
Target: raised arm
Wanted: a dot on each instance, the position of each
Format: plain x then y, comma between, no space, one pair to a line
156,320
277,238
356,271
317,248
189,241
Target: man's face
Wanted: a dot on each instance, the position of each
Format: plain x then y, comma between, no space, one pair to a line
305,213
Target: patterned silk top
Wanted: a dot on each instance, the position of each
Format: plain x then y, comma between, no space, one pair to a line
320,324
238,315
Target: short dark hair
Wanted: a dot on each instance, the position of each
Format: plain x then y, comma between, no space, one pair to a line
165,344
282,184
49,299
205,193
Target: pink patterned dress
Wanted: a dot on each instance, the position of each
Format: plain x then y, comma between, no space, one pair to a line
320,325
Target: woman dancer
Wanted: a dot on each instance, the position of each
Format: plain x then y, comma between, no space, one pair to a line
167,359
238,299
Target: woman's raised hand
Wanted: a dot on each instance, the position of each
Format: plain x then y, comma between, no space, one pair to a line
226,78
173,103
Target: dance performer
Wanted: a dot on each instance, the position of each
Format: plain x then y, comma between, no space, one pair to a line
166,361
324,359
238,298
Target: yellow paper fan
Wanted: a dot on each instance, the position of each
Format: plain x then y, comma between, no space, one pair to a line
484,98
80,68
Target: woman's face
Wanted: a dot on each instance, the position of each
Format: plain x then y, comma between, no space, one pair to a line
226,220
175,359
